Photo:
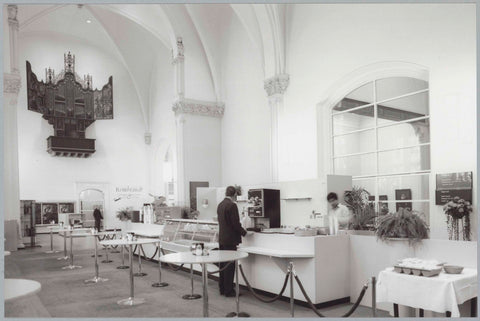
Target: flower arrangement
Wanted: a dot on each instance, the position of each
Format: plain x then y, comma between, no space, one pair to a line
402,224
124,214
238,189
455,210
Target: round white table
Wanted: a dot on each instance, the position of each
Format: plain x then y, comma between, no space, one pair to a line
17,288
124,242
80,232
96,278
64,230
215,256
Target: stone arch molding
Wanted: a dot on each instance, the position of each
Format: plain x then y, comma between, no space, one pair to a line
346,84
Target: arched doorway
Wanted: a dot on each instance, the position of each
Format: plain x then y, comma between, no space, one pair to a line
89,199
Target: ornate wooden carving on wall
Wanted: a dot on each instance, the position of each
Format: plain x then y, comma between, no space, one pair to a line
70,105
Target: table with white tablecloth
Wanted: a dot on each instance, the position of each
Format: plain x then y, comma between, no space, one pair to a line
442,293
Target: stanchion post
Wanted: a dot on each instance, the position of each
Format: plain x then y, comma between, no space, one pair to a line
159,284
292,303
374,296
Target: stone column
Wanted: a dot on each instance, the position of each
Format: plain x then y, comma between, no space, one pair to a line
11,88
13,35
11,208
178,62
180,160
275,88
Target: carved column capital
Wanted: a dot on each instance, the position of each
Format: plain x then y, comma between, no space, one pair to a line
12,15
201,108
11,83
276,85
178,56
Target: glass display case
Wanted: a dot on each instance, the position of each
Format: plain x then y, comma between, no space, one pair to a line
179,234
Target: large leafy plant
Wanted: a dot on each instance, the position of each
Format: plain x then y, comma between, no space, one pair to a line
124,214
402,224
363,213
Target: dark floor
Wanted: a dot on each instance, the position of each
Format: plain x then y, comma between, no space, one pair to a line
64,293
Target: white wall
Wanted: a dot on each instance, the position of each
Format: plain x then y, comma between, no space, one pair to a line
202,151
246,123
120,156
326,42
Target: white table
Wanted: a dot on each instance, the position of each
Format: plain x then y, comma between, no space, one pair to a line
64,230
442,293
80,232
124,242
217,256
6,253
17,288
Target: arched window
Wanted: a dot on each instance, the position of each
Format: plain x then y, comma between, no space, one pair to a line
381,136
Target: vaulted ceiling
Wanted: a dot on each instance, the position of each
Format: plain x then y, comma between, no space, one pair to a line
135,32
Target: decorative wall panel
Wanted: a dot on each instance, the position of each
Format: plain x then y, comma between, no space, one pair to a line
70,105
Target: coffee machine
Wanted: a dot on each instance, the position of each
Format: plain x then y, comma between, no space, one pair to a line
264,207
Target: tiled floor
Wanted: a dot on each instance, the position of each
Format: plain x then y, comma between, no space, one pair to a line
64,293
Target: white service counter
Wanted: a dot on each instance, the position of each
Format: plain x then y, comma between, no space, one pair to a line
321,263
330,267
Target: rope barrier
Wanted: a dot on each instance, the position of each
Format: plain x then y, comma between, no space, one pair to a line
220,270
275,298
172,266
349,312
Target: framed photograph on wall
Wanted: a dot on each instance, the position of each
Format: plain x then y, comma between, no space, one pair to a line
49,213
403,195
66,207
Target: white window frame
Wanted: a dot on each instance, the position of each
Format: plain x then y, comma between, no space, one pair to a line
377,175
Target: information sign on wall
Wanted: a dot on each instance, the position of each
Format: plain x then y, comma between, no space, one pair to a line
453,184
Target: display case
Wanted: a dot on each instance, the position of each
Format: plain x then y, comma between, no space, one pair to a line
179,234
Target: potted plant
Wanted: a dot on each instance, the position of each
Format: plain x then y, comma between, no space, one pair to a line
238,190
403,224
189,213
363,213
124,214
458,210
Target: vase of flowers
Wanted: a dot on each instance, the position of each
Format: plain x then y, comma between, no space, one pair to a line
457,213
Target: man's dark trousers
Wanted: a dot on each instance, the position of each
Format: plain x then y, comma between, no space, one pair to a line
225,282
97,225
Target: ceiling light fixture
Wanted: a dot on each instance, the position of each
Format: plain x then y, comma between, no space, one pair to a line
88,21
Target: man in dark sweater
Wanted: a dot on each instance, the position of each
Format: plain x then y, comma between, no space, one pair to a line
97,215
230,235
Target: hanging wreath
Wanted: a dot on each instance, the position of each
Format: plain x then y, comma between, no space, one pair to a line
458,214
